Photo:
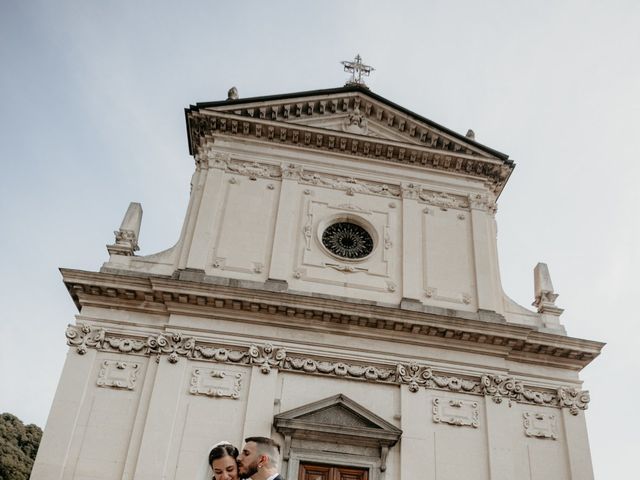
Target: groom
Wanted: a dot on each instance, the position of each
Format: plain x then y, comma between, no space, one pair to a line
259,459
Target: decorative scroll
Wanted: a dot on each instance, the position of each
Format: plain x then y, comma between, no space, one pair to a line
267,357
500,387
415,375
309,365
573,398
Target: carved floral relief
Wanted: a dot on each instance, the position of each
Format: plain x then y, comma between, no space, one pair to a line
174,346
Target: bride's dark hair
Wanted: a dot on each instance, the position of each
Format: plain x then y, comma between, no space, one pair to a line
223,450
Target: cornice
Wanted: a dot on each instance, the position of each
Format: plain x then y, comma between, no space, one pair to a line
168,295
175,346
450,156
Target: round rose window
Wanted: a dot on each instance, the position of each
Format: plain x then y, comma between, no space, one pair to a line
347,240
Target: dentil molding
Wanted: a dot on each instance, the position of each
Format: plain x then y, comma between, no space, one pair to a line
267,357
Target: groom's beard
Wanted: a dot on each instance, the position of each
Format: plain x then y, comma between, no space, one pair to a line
251,470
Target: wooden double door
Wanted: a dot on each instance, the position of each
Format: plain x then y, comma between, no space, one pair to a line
313,471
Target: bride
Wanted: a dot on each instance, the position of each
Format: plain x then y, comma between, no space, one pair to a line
222,459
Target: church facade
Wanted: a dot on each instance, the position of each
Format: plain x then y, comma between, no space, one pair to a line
335,286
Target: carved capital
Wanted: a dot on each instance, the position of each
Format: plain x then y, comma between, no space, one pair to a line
480,201
499,387
214,159
573,399
411,191
291,171
414,375
267,357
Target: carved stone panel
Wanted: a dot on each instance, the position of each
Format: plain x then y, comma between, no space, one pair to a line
456,412
243,234
216,382
540,425
118,374
447,257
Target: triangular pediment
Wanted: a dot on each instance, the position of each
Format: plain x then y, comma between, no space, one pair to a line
370,128
354,110
338,416
335,413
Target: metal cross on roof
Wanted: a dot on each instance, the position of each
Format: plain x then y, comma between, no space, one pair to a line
357,70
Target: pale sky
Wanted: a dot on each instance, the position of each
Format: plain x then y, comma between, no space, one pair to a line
91,118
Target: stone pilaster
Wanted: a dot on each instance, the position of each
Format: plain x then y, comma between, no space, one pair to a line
52,461
417,445
282,255
160,424
502,426
488,288
412,282
262,393
577,444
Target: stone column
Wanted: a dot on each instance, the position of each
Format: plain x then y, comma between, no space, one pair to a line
52,461
417,446
262,393
160,424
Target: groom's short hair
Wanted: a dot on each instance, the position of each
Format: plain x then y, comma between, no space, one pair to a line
266,446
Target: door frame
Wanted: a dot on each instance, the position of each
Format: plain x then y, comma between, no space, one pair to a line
372,464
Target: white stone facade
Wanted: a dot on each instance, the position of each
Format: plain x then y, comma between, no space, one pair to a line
250,325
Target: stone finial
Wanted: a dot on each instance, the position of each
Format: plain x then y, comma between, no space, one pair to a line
232,94
471,135
127,236
545,296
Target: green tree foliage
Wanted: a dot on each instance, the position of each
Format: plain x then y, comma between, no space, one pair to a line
18,447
